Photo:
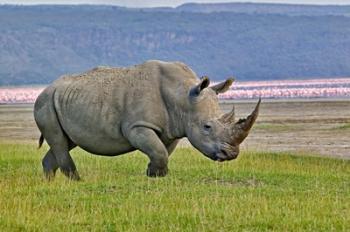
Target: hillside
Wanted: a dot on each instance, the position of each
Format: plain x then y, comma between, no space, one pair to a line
264,8
39,43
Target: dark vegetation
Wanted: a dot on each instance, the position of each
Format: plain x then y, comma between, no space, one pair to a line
249,41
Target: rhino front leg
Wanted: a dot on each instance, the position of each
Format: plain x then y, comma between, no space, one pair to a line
147,141
171,147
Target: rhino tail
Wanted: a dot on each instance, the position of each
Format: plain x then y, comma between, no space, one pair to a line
41,141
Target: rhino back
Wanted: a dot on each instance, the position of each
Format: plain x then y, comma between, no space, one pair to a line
94,106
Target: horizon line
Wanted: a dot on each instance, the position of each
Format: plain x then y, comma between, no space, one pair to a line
174,7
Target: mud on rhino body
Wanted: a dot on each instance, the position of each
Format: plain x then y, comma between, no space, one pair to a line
148,107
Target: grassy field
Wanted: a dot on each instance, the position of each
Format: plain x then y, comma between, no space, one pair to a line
257,192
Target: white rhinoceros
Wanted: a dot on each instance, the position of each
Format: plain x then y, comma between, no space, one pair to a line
148,107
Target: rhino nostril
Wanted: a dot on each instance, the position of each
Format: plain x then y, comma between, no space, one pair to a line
224,152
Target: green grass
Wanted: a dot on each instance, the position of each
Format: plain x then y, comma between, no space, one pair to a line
343,127
257,192
276,127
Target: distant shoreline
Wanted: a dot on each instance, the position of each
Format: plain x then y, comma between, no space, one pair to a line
233,101
285,90
281,100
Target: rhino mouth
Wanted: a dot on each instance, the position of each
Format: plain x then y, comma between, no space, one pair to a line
224,155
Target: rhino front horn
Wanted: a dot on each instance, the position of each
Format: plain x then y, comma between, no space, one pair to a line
242,127
249,121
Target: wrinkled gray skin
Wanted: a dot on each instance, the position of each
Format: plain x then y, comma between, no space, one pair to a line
147,107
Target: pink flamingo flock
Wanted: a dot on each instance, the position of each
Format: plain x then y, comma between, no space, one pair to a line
317,88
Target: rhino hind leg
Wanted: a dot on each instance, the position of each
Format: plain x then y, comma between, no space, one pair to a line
58,156
66,165
50,165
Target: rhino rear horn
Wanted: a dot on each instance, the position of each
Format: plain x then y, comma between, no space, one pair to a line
229,117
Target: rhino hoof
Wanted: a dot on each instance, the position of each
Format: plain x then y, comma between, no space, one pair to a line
49,175
156,172
72,175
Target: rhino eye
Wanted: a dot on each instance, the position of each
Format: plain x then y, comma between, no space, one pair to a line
207,127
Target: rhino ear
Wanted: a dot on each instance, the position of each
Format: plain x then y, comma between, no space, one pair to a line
196,90
223,86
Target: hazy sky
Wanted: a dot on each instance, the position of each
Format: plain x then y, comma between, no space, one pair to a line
153,3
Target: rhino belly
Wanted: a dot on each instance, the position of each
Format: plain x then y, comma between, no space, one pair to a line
95,139
92,125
